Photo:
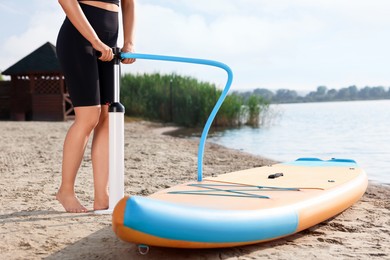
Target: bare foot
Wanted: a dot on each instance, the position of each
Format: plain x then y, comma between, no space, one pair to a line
70,203
101,202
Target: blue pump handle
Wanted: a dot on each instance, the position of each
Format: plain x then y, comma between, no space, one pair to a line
129,55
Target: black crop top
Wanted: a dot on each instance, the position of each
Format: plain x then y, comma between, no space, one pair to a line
106,1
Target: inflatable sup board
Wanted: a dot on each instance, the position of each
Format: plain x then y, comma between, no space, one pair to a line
243,207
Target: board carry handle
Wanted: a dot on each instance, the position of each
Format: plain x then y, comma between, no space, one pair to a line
275,175
129,55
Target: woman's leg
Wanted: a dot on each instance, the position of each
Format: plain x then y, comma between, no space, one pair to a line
100,161
86,119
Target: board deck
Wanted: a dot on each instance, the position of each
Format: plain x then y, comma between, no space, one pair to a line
242,207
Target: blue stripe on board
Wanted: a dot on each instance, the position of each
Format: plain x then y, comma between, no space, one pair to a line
322,163
187,223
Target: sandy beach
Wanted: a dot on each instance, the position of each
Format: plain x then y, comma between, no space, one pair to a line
33,225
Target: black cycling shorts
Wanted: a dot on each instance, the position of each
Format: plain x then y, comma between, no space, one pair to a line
88,80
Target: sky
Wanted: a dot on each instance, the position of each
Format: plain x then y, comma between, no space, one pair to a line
278,44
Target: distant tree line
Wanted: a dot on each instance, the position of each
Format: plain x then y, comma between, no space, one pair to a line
322,94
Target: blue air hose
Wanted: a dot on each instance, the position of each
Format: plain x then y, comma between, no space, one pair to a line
217,106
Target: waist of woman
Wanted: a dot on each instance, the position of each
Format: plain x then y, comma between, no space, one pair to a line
106,6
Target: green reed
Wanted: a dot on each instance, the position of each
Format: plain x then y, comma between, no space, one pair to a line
185,101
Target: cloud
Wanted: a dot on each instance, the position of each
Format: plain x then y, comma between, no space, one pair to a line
274,44
9,8
42,26
243,40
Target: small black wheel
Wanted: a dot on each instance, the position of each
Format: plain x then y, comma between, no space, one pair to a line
143,249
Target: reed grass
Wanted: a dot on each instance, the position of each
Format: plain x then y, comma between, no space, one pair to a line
185,101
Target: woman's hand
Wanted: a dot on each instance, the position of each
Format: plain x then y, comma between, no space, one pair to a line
104,50
128,48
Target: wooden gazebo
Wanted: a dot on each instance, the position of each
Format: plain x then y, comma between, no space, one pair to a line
38,90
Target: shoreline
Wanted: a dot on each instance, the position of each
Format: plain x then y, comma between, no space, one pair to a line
33,225
184,132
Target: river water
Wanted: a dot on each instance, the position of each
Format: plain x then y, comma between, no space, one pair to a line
357,130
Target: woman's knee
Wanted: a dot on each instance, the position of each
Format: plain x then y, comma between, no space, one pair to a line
103,117
87,117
